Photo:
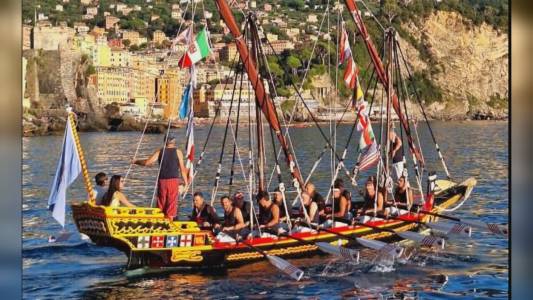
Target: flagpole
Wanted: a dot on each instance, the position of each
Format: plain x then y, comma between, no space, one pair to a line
86,179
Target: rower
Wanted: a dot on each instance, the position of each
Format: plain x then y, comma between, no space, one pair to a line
269,213
278,199
311,208
238,201
339,184
203,213
340,205
233,219
369,196
317,198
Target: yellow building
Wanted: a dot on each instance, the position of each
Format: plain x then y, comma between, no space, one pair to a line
132,36
143,85
113,85
119,58
169,91
228,53
101,55
159,37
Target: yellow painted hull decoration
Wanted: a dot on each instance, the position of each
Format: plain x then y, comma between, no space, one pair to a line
149,239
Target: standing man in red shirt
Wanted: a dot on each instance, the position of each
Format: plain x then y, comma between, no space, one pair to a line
171,164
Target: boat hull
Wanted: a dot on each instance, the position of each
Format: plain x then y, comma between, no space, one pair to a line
147,238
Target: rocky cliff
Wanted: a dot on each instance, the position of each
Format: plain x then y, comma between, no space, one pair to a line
469,64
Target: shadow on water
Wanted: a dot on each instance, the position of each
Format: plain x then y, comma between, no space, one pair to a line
467,268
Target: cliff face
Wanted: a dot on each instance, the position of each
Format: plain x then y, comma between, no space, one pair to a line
469,64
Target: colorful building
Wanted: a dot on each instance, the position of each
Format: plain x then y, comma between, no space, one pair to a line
169,92
113,85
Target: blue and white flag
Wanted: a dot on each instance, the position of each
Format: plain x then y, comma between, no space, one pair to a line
185,99
68,169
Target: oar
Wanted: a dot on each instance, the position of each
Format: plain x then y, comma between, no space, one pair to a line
281,264
423,240
381,247
348,254
491,227
445,228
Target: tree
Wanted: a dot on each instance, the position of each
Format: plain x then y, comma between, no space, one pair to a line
294,63
390,9
126,43
134,48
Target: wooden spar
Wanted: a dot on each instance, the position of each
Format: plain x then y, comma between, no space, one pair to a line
382,75
263,99
86,179
389,100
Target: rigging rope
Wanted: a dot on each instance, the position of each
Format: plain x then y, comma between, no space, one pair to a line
437,148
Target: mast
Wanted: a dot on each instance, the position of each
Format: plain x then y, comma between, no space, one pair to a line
389,100
262,98
258,117
382,75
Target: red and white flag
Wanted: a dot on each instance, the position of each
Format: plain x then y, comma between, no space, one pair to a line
369,157
344,46
350,74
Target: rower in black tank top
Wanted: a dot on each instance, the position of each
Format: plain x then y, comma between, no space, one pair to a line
401,197
229,219
169,167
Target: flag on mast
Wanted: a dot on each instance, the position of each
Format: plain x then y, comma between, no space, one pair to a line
197,50
68,169
189,148
344,46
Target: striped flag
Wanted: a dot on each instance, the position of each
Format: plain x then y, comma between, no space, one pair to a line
189,148
369,157
350,74
344,46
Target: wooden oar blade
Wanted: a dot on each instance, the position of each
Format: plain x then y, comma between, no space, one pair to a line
348,254
458,229
423,240
286,267
382,247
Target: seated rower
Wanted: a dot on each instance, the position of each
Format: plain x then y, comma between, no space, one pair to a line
403,196
369,196
269,214
233,220
203,213
278,199
114,196
340,205
339,184
244,206
311,208
318,199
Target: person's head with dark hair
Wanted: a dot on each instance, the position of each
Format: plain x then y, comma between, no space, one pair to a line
278,196
100,179
238,199
170,140
370,186
226,203
198,200
338,183
115,185
263,199
402,183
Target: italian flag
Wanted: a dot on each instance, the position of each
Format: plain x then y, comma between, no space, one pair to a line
197,51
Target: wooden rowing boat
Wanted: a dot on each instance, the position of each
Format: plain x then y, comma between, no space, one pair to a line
147,238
